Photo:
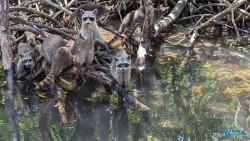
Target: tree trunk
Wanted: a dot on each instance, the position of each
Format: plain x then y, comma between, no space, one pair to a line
7,65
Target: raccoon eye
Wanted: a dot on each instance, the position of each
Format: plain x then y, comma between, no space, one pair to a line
84,19
126,65
91,19
25,61
119,65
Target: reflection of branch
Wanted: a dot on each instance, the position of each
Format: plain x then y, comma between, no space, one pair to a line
43,122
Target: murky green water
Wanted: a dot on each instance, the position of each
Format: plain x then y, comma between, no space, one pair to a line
202,98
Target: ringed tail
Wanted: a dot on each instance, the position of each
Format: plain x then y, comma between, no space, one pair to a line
48,80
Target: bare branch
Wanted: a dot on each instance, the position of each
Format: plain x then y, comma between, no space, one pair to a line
34,12
58,7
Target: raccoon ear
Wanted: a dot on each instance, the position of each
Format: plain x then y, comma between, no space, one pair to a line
116,59
30,53
113,8
129,56
94,11
82,11
21,56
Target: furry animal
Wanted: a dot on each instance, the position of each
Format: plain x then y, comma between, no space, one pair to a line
57,56
134,19
48,49
25,60
121,68
62,59
84,44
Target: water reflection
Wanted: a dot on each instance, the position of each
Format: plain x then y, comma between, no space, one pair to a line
195,98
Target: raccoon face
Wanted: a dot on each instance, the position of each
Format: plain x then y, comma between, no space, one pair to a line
123,62
26,59
88,17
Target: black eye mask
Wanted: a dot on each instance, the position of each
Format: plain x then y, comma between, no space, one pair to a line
27,61
124,64
90,18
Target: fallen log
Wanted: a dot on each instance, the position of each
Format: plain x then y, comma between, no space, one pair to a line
172,16
106,80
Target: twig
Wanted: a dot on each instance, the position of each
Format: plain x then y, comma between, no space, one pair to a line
34,12
193,16
214,18
19,20
58,7
27,3
239,17
224,5
198,22
235,26
57,30
66,7
25,28
244,31
211,4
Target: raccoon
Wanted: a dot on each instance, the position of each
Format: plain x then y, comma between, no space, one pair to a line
121,68
134,19
84,44
102,11
62,59
49,47
25,60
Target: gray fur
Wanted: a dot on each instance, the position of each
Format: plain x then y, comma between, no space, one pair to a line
101,10
49,47
121,68
134,19
25,57
84,44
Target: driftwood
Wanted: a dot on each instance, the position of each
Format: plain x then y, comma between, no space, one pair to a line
110,82
8,68
172,16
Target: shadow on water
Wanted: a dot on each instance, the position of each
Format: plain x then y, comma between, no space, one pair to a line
204,97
